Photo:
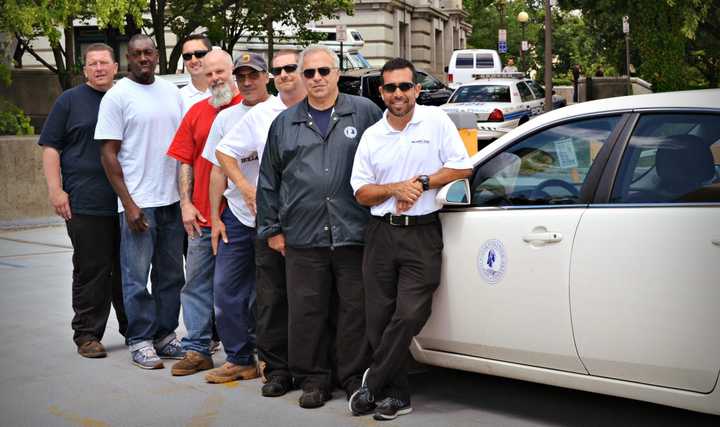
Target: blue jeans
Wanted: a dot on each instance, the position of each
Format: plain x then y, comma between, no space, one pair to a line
152,317
234,290
196,296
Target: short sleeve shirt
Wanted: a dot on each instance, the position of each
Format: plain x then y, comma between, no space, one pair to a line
429,142
70,129
224,121
144,118
247,138
187,147
191,96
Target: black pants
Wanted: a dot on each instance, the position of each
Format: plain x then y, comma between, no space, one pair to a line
272,310
401,270
96,275
326,305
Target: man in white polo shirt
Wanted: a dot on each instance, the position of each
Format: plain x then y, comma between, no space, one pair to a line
246,139
194,49
400,163
136,123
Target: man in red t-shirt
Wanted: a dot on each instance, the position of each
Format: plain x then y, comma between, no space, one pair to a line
193,183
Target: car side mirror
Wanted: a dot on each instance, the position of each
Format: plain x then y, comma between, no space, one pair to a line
456,193
446,68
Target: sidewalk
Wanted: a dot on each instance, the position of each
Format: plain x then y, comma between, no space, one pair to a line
44,382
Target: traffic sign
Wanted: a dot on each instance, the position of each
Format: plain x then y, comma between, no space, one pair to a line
341,33
626,24
502,35
502,47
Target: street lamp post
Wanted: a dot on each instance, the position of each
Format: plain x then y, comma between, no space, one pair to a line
523,18
502,31
548,55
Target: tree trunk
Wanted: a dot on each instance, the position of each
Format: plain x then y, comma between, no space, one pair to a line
157,12
270,37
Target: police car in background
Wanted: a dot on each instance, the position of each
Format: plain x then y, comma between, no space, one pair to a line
584,252
500,102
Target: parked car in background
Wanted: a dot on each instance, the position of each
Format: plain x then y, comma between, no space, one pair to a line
367,83
584,253
500,102
466,63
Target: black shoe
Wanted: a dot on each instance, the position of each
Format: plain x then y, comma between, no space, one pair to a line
391,408
362,401
276,386
352,387
313,397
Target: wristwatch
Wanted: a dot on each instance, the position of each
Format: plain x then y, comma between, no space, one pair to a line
425,181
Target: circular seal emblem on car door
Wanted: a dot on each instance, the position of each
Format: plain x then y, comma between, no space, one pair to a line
492,261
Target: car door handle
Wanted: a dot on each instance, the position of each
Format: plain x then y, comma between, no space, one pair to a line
716,242
547,237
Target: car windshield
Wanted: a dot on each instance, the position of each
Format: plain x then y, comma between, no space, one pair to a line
485,93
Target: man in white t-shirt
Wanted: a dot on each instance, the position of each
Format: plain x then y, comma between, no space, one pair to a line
136,123
400,163
234,278
246,139
194,49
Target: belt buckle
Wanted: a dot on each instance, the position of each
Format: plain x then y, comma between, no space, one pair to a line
399,224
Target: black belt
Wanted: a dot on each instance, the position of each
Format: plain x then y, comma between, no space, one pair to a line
407,220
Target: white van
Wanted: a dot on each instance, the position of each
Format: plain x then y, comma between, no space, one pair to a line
465,63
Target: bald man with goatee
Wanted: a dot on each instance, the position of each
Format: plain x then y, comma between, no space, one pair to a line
193,183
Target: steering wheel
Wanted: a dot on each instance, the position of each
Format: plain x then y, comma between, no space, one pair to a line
539,191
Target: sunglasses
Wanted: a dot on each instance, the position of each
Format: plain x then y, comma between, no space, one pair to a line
289,68
310,72
392,87
252,75
198,54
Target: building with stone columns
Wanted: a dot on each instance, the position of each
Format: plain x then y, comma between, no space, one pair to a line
423,31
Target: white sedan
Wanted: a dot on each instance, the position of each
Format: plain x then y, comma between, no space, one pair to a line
584,252
500,102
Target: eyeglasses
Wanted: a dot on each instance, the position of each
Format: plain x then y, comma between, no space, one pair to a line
289,68
392,87
252,75
310,72
198,54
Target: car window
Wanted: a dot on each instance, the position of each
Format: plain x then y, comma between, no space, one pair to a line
525,94
373,89
350,85
484,60
671,158
485,93
548,168
535,87
427,82
464,60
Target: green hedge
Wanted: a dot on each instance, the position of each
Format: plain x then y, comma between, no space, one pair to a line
13,121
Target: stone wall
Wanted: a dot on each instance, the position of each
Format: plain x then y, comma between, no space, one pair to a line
23,191
34,91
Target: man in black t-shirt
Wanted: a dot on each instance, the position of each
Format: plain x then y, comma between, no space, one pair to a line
81,194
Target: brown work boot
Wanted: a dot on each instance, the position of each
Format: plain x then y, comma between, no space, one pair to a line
92,349
231,372
192,362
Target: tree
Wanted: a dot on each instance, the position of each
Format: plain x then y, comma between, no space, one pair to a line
704,49
660,32
31,19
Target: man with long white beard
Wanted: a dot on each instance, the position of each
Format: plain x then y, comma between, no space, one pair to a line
196,297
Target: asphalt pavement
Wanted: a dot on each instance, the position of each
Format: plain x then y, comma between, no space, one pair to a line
44,382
